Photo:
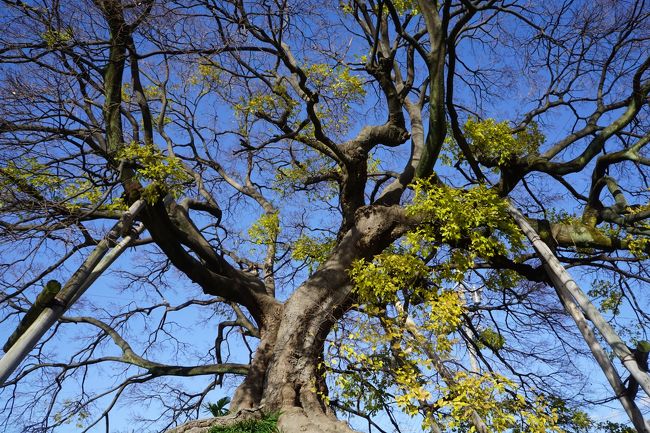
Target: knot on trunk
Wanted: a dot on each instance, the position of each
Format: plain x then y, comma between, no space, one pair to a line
376,223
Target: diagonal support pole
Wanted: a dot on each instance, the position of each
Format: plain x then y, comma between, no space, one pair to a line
94,265
576,302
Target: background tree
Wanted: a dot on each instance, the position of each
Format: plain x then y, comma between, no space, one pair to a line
328,184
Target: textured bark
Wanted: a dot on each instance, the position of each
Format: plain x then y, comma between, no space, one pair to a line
249,393
286,362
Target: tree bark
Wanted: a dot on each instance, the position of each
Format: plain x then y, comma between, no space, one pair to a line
285,374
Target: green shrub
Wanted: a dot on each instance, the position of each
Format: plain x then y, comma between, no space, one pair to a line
268,424
219,408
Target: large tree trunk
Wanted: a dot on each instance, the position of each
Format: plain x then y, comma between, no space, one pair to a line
284,375
292,383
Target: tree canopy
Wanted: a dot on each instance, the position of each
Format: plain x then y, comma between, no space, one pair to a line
360,209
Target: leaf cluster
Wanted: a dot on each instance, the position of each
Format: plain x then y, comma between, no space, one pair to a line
474,222
266,229
163,173
495,144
